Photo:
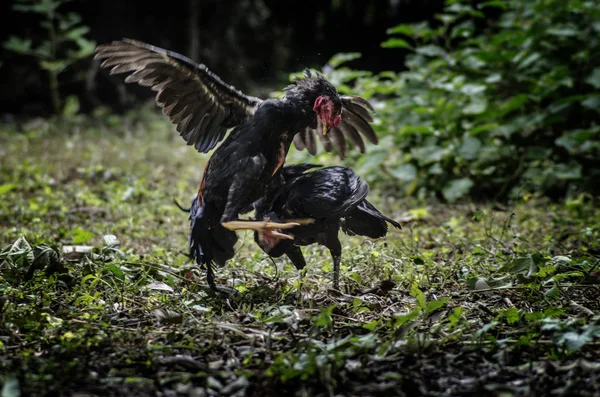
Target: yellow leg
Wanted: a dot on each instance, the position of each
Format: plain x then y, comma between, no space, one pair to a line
262,227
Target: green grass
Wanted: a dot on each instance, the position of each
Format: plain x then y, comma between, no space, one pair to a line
465,299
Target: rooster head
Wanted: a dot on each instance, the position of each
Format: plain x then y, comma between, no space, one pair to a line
316,91
326,112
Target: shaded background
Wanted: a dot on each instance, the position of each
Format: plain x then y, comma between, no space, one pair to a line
481,98
252,44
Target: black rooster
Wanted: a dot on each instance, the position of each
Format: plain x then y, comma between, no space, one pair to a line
334,197
203,107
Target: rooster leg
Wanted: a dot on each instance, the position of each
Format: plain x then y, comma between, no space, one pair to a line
295,255
335,248
210,278
301,221
263,227
336,271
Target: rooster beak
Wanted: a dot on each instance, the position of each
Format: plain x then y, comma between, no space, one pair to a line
325,129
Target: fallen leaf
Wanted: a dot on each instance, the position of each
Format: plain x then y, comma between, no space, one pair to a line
160,287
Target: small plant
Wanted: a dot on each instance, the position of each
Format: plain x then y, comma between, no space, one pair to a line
65,43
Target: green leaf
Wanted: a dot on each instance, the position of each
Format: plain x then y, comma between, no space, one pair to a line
430,154
416,130
573,340
368,164
53,66
47,7
529,60
566,31
527,263
516,102
77,32
324,318
495,4
469,149
274,319
404,172
343,57
473,89
594,78
7,188
482,128
436,305
370,326
416,293
401,29
493,78
404,318
395,42
455,316
553,292
572,171
456,189
71,106
592,102
81,236
86,48
430,50
18,45
512,315
118,273
478,105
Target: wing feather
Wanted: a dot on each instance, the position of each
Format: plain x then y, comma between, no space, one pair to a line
300,139
353,136
311,143
201,105
326,141
337,137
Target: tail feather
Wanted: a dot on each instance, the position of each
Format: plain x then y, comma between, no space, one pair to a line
357,197
366,220
180,206
209,241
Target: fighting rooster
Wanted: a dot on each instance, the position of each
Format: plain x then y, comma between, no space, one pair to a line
204,108
333,197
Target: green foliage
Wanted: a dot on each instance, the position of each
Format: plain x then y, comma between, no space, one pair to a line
65,44
495,111
572,334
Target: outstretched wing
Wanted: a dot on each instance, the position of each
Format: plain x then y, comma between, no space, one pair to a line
201,105
355,124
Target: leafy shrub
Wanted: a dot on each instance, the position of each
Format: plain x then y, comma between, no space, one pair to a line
496,111
64,45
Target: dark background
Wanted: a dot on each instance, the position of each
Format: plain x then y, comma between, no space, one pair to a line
252,44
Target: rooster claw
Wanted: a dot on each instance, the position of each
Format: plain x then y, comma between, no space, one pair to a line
301,221
259,226
275,233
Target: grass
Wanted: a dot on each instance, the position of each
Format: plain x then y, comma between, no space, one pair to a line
466,299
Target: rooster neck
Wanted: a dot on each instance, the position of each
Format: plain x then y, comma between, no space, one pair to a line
298,115
279,121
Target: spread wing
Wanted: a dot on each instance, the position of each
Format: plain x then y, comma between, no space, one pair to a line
355,124
201,105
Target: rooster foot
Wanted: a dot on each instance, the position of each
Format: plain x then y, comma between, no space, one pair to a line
262,227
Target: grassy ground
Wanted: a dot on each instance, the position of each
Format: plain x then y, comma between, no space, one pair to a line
467,299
